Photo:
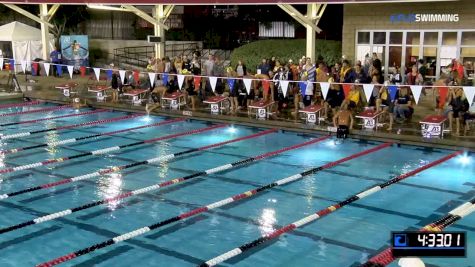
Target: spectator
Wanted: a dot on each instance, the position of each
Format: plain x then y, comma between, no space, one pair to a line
353,99
178,64
115,85
395,77
281,75
458,70
360,75
272,63
377,69
347,74
335,72
186,64
55,57
402,105
307,98
469,116
263,67
241,69
423,70
208,66
310,70
414,77
459,106
322,74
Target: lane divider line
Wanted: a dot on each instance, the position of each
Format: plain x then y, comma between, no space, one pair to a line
35,111
54,118
121,196
90,123
95,152
145,162
143,230
193,212
23,104
386,256
319,214
73,140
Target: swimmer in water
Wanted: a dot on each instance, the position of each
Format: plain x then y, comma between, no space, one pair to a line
77,104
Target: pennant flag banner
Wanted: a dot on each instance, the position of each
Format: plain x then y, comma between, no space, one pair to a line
12,65
247,84
416,92
23,66
70,71
165,79
34,69
1,63
47,66
181,78
231,84
109,74
212,81
59,69
122,76
325,87
346,89
136,76
443,93
197,82
368,90
265,85
303,87
469,93
82,70
284,85
392,91
152,76
97,72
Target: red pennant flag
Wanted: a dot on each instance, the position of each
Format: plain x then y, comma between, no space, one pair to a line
82,70
35,68
197,82
265,85
443,93
346,89
136,76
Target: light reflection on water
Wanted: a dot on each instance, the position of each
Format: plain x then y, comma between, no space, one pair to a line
267,221
109,186
51,137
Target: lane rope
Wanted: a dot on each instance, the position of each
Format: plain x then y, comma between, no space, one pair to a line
73,140
386,256
121,196
123,167
319,214
23,104
143,230
35,111
191,213
96,152
54,118
90,123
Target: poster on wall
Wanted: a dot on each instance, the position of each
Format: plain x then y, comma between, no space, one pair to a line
75,50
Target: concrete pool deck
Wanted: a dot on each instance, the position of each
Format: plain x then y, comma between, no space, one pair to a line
44,88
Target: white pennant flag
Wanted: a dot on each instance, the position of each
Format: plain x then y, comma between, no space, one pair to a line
469,93
23,66
1,63
368,90
213,81
47,66
122,76
181,78
324,86
247,83
70,70
284,85
416,92
97,71
151,76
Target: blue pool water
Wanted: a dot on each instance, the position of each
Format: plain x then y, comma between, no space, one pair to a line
344,238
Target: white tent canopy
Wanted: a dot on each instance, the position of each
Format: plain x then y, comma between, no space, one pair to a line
25,39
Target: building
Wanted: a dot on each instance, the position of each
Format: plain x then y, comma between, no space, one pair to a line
402,33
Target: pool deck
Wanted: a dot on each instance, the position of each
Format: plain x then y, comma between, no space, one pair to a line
44,89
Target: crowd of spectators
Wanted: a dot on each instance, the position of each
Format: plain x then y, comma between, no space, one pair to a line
345,92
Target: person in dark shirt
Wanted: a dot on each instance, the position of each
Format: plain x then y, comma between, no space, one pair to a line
459,106
55,57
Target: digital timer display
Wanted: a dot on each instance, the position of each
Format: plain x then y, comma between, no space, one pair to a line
428,244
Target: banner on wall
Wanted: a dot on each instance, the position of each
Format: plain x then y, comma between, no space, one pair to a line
75,50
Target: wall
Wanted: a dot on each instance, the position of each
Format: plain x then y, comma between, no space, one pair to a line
377,16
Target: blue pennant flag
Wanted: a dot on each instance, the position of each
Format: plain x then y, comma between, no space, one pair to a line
12,64
59,69
303,87
392,91
109,74
231,84
165,78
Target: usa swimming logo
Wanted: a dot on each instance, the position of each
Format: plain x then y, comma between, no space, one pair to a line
417,18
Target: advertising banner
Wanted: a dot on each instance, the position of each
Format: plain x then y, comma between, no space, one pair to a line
75,50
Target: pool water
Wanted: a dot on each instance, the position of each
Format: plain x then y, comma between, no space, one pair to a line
346,237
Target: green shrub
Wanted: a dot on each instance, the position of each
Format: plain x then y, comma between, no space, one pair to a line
253,53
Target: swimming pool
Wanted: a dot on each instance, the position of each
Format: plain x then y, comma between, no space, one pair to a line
346,237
